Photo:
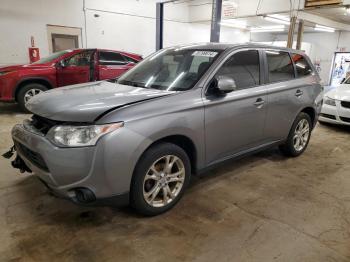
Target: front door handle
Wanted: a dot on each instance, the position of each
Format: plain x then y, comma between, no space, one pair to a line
299,93
259,102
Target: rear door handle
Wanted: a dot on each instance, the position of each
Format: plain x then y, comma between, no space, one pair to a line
299,93
259,102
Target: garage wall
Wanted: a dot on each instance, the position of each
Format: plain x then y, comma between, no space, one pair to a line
125,25
111,24
131,26
200,32
19,20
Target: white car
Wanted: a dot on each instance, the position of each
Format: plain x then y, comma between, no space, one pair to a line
336,105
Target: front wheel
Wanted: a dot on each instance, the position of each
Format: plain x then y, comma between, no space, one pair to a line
160,178
299,136
27,92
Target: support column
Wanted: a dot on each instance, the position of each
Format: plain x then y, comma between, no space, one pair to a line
293,20
215,21
159,25
300,34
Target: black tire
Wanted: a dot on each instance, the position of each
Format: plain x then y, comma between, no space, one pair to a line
288,147
24,90
137,199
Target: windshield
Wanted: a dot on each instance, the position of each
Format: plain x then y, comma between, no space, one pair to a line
170,69
52,57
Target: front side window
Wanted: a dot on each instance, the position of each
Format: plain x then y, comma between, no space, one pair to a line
80,59
110,58
280,66
302,66
174,69
244,68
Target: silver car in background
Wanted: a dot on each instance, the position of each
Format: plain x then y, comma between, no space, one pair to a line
178,112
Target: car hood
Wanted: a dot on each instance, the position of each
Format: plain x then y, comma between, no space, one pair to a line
23,67
341,92
86,102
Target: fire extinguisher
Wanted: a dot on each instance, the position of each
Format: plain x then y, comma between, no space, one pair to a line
34,54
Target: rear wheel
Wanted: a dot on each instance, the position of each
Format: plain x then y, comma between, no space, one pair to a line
160,179
299,136
27,92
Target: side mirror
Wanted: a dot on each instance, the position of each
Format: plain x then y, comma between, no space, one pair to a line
62,63
225,84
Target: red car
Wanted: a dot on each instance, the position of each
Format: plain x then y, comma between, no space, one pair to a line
21,82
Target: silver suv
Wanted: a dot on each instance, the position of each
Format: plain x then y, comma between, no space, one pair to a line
183,109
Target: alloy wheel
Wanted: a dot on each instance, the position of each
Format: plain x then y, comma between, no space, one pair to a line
30,93
301,135
164,181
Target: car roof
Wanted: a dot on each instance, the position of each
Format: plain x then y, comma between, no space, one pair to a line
106,50
226,46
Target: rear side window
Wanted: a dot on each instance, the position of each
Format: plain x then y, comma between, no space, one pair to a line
280,66
244,68
302,66
110,58
130,60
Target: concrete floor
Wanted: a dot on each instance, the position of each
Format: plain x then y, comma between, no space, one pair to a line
261,208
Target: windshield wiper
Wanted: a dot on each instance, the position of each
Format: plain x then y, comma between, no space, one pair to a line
132,83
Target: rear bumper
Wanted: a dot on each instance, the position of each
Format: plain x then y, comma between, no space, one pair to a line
335,114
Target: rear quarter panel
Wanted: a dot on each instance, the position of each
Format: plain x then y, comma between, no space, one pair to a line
284,105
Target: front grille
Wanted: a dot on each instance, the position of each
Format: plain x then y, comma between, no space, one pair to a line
328,116
345,104
32,156
42,124
345,119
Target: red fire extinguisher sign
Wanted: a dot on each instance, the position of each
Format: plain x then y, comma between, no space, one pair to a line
34,54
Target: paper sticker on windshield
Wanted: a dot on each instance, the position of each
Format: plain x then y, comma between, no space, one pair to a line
205,53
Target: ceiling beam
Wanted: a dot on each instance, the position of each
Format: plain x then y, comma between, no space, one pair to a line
317,19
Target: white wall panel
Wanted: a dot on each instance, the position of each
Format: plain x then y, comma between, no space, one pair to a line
19,20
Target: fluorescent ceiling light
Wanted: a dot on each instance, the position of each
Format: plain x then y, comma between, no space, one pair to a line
262,29
277,19
324,28
235,24
281,17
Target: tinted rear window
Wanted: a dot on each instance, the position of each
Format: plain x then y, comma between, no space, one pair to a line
110,58
302,66
280,66
129,59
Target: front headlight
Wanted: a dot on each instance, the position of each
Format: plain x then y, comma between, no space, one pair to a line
79,136
329,101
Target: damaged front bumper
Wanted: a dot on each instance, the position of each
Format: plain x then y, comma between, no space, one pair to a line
70,173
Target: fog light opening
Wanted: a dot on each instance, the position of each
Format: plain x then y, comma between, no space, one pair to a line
84,195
